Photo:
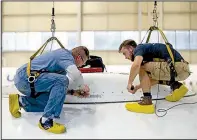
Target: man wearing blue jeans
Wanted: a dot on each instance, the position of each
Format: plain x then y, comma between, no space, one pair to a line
50,87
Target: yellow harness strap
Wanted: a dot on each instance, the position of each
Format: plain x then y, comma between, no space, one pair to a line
41,49
164,38
36,74
172,62
28,68
32,75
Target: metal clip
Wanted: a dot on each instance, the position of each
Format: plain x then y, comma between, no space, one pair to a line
31,78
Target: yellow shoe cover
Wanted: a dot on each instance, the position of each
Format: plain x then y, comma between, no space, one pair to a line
14,105
56,128
135,107
177,94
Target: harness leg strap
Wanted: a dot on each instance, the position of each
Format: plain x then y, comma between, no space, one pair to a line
173,72
32,90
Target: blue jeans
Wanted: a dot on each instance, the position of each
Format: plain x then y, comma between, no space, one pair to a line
53,88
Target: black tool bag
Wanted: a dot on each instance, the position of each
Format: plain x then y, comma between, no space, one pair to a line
95,62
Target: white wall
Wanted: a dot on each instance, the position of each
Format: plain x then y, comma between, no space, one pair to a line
16,59
95,16
36,16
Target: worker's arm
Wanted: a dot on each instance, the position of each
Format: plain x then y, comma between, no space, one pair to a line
135,68
75,78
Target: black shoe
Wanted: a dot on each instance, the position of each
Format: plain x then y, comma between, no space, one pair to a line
175,85
47,124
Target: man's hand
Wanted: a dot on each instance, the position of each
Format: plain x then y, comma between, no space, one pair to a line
86,89
132,89
80,93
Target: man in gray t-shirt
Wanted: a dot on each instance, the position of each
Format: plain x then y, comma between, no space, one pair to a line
58,70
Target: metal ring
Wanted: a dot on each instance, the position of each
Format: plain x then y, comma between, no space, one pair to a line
31,79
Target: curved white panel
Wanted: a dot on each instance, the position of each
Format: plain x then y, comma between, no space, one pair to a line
111,87
104,87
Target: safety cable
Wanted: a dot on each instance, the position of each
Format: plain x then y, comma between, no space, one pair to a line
53,27
155,17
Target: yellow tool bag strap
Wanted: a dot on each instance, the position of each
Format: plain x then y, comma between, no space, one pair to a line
41,49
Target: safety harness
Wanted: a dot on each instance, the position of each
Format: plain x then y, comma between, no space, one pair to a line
33,74
170,60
